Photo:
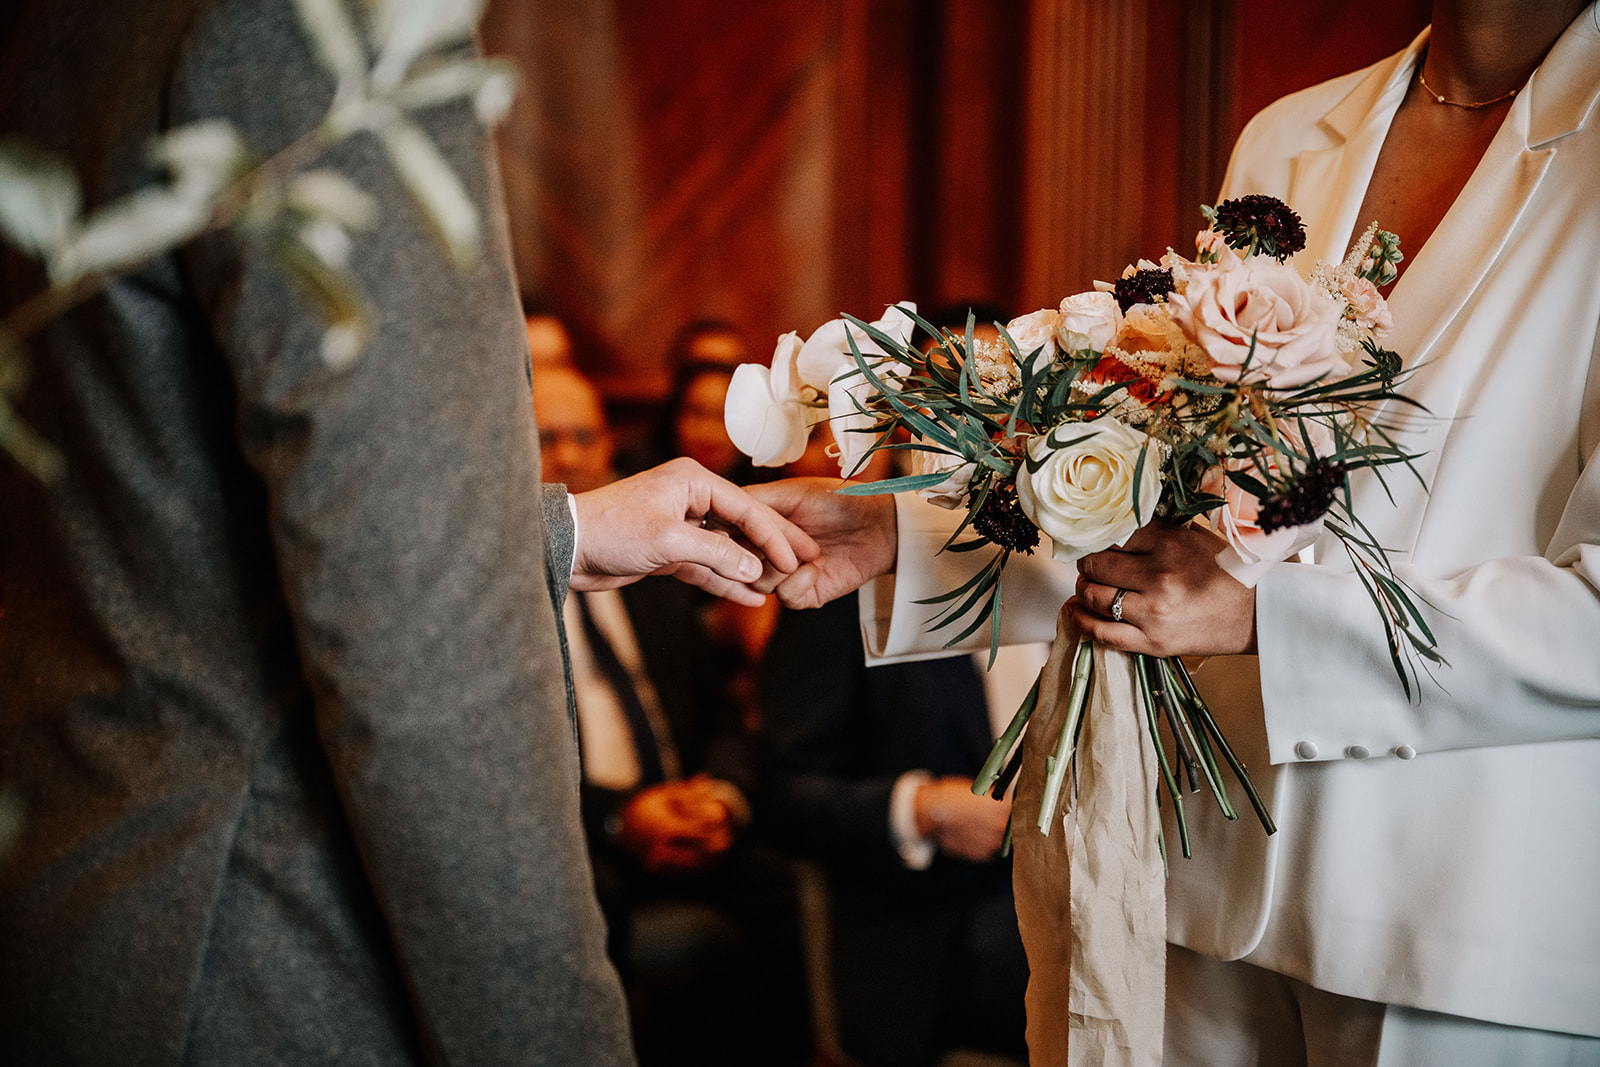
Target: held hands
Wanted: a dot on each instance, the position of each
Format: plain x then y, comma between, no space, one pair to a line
655,523
856,536
678,827
1178,601
961,825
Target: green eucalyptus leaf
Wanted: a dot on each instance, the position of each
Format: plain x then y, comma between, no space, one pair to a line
129,231
904,484
335,41
435,188
39,198
490,84
406,30
328,194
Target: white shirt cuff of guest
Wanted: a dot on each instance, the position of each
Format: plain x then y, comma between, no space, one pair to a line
916,851
572,507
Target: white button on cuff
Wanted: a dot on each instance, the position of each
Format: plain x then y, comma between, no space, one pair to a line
1406,752
1358,752
1305,750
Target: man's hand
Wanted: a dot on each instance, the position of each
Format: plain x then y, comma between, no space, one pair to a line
856,535
959,824
1179,602
678,827
653,523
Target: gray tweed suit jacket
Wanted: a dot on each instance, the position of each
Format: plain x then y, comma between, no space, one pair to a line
281,679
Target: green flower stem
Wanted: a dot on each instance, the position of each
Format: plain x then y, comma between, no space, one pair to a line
1198,741
1056,765
1155,678
1161,756
990,772
1203,717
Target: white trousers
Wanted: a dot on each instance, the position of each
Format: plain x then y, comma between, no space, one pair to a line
1239,1015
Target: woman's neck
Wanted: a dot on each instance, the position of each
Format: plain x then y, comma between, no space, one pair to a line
1482,49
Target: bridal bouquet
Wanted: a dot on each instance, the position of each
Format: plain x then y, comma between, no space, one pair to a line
1226,389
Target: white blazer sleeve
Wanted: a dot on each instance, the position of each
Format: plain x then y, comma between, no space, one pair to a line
1522,636
895,628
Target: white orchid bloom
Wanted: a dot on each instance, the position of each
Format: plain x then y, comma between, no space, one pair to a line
765,413
826,353
827,364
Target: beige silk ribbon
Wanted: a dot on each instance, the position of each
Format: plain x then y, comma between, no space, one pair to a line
1091,895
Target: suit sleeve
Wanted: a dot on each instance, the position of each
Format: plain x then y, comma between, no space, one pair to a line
561,536
1521,635
408,531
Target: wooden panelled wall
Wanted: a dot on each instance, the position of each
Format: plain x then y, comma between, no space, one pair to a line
775,162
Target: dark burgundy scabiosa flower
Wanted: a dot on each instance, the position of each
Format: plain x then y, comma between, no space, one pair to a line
1304,500
1143,287
1001,520
1257,223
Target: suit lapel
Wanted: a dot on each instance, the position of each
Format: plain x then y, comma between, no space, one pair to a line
1447,272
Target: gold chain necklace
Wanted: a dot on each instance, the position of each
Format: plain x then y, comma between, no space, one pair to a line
1440,98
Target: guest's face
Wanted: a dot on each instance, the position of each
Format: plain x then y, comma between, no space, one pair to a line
699,431
574,441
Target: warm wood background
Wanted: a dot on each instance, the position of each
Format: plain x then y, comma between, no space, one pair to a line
775,162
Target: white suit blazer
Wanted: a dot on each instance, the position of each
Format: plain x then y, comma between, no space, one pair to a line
1442,852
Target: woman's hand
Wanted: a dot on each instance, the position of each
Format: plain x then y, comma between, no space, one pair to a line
1178,601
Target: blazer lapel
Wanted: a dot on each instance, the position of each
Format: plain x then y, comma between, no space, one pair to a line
1328,186
1447,272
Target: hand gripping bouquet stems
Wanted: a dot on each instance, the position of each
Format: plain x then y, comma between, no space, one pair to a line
1226,389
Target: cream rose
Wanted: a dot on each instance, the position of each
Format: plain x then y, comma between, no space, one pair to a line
1080,490
1294,326
1034,331
1088,320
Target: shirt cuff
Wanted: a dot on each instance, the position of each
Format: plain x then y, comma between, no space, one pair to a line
916,851
572,561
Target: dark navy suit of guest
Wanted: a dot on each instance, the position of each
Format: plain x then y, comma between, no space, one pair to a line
924,960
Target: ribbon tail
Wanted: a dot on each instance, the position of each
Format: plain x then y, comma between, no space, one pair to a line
1091,899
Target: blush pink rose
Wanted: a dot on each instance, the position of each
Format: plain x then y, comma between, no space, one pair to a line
1294,326
1250,552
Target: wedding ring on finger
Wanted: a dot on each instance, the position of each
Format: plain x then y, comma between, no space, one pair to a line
1116,605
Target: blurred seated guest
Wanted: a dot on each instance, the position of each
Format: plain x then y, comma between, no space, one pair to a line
715,342
549,342
666,769
703,357
869,772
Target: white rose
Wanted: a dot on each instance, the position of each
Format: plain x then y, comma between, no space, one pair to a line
1081,490
952,492
1088,320
1034,331
766,416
